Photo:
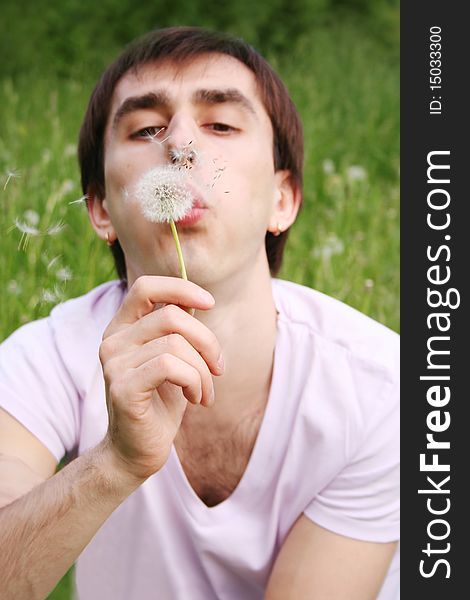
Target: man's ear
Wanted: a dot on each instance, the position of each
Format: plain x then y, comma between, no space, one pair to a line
99,218
286,203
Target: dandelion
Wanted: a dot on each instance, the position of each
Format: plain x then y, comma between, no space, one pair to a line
328,166
67,186
70,150
356,173
13,288
163,195
46,156
369,284
164,198
333,245
11,174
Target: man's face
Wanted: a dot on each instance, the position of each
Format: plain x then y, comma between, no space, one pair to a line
210,106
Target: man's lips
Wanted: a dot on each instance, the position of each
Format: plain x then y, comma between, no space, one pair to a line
196,213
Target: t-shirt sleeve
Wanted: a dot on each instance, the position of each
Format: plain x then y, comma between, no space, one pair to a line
363,500
36,389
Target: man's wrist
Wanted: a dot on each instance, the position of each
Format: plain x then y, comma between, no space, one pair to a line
116,474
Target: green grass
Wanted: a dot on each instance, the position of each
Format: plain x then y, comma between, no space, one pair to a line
346,240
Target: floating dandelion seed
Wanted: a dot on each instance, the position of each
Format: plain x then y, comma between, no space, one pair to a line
12,174
55,229
153,138
27,231
52,262
81,200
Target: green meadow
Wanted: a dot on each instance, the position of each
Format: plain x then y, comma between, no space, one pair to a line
343,76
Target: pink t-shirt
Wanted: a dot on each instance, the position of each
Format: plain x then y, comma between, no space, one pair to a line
328,447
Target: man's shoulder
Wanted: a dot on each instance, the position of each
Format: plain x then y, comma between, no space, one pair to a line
97,306
69,337
337,325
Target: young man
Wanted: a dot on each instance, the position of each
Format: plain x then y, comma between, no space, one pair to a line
247,451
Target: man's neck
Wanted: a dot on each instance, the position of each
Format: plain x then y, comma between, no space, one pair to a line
244,321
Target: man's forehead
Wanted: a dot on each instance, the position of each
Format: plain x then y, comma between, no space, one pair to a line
216,71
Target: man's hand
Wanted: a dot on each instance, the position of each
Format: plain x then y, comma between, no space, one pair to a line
154,362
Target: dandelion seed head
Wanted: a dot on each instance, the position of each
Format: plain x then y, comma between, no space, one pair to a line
332,246
328,166
13,288
31,217
70,150
163,194
356,173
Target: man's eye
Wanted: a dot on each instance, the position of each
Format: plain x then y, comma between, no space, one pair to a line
148,132
221,127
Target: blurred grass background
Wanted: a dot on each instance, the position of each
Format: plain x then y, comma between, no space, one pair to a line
340,61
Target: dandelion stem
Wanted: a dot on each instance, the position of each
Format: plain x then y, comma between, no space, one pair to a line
184,275
178,249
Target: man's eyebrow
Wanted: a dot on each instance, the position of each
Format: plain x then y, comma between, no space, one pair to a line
152,100
221,96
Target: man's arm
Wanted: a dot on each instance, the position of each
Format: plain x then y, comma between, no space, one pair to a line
44,528
317,564
45,520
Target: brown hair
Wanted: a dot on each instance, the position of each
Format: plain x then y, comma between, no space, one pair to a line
182,44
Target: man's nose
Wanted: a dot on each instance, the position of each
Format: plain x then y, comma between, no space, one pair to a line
182,142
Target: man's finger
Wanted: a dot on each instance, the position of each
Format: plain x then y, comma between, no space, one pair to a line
150,290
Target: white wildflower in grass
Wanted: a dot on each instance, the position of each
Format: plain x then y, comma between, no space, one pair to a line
70,150
67,186
328,166
13,288
369,284
46,156
356,173
11,174
332,246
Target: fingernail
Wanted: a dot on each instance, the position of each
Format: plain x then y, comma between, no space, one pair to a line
221,363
